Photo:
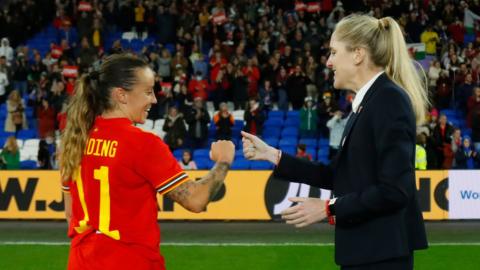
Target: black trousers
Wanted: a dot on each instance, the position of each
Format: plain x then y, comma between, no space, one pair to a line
402,263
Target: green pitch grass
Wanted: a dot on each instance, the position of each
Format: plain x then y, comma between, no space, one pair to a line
455,245
241,257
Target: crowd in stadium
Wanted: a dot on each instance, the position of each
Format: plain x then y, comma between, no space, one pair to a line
223,66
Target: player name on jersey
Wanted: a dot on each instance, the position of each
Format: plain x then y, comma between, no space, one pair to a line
101,148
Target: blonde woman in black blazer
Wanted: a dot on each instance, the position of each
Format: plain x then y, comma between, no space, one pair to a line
378,222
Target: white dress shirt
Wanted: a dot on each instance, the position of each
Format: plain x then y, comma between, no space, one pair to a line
363,91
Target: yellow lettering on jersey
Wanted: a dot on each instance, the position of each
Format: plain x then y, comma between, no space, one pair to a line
82,224
101,148
113,149
97,148
104,219
105,148
90,147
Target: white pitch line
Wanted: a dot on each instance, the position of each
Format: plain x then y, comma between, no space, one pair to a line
187,244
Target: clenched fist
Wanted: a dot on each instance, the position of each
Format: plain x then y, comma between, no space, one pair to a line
222,151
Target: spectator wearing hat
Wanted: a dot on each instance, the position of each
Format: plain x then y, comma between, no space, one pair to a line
308,119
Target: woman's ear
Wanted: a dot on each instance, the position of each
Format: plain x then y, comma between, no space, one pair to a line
359,55
119,95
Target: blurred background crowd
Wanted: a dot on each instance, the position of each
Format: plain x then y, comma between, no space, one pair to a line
224,66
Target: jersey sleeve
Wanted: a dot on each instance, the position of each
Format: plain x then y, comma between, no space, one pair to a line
158,166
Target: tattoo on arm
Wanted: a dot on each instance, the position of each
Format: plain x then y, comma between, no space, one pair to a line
214,179
182,192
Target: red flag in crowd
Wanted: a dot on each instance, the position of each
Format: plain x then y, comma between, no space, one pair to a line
300,6
84,6
219,18
313,7
56,51
70,71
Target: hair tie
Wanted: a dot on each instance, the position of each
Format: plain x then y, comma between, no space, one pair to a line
383,24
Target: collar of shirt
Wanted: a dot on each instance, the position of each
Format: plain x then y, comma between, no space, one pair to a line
363,91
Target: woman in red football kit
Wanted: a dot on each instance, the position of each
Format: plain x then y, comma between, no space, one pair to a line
112,170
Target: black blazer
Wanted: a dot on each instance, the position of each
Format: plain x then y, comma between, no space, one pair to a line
373,176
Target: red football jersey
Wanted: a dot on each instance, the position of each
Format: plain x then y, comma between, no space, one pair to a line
114,190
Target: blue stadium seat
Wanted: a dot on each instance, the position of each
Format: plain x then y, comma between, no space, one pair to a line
272,141
204,163
201,153
323,142
28,165
273,122
261,165
178,154
241,164
466,132
322,153
293,114
309,142
288,141
239,123
27,134
290,132
292,122
276,114
2,141
239,153
271,132
289,150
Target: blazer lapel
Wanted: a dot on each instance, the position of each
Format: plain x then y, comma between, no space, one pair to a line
354,116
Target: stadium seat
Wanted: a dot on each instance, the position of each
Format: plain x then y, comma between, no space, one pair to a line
27,134
289,150
272,141
276,114
28,165
178,153
290,132
238,115
293,114
239,153
273,122
309,142
288,141
204,163
271,132
261,165
201,153
323,142
291,122
241,164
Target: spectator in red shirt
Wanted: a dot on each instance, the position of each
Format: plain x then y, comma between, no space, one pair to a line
197,87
